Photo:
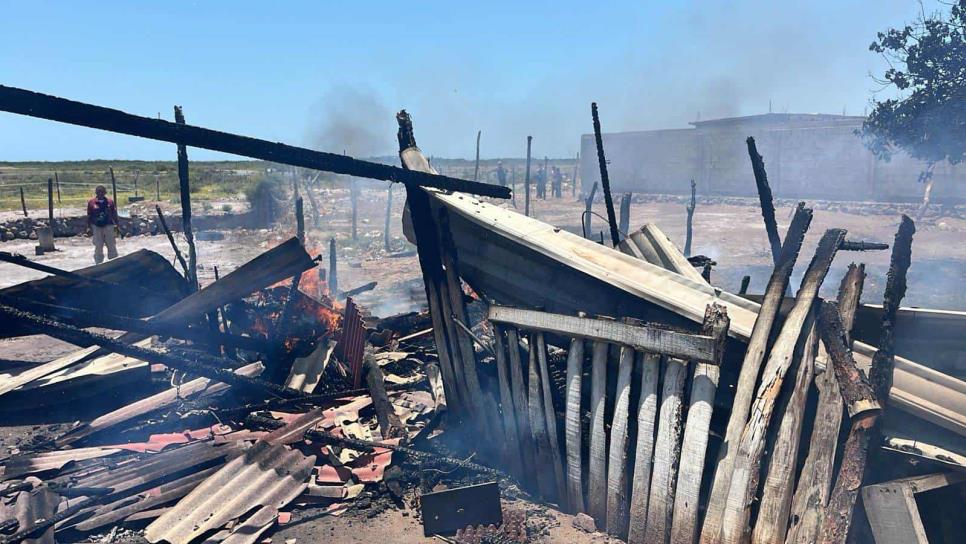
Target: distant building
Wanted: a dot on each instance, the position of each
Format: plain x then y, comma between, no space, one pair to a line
809,156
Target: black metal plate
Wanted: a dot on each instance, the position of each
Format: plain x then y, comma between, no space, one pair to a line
446,511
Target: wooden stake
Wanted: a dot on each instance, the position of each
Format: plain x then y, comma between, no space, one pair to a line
575,479
526,180
157,187
588,216
745,280
597,465
50,204
550,415
617,477
538,424
751,445
625,220
385,229
667,451
750,368
694,445
57,182
690,209
518,390
113,186
333,276
512,451
650,365
765,199
476,169
174,246
299,221
185,205
573,189
604,178
815,483
354,196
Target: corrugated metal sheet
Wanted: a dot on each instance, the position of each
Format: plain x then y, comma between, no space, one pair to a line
266,475
307,371
28,507
39,462
352,342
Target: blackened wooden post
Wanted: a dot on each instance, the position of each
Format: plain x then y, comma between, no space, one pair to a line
526,180
157,187
333,272
113,185
57,183
765,199
50,204
546,177
354,194
186,205
745,280
174,246
573,189
476,169
513,185
690,231
588,216
299,221
385,229
23,202
604,179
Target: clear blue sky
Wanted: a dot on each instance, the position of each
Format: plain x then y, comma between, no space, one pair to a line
331,74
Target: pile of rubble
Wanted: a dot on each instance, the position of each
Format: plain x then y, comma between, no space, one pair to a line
25,228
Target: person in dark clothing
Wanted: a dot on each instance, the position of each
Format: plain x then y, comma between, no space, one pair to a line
556,183
102,221
541,183
500,174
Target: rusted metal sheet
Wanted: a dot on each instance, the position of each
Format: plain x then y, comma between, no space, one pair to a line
352,343
266,475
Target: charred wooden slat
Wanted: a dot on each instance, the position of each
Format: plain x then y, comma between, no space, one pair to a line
617,469
860,245
518,389
615,236
597,463
765,199
389,423
550,415
694,444
575,478
43,106
511,451
647,409
538,425
695,347
667,451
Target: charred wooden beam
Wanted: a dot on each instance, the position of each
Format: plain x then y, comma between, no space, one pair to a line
204,365
185,191
174,246
24,102
512,453
858,245
765,199
695,347
389,423
860,400
615,237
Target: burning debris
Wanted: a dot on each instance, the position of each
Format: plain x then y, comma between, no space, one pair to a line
611,382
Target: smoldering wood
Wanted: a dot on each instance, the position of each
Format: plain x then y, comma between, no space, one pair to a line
604,178
507,409
667,451
617,469
550,415
690,209
185,189
597,462
358,290
751,445
32,104
696,347
779,484
748,375
574,431
83,318
694,444
174,246
765,199
203,365
815,483
283,261
647,409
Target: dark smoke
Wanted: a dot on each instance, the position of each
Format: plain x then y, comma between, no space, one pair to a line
352,120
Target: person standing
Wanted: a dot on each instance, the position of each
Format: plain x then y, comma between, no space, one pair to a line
102,221
500,174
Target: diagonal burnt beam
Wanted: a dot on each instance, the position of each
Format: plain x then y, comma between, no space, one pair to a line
33,104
